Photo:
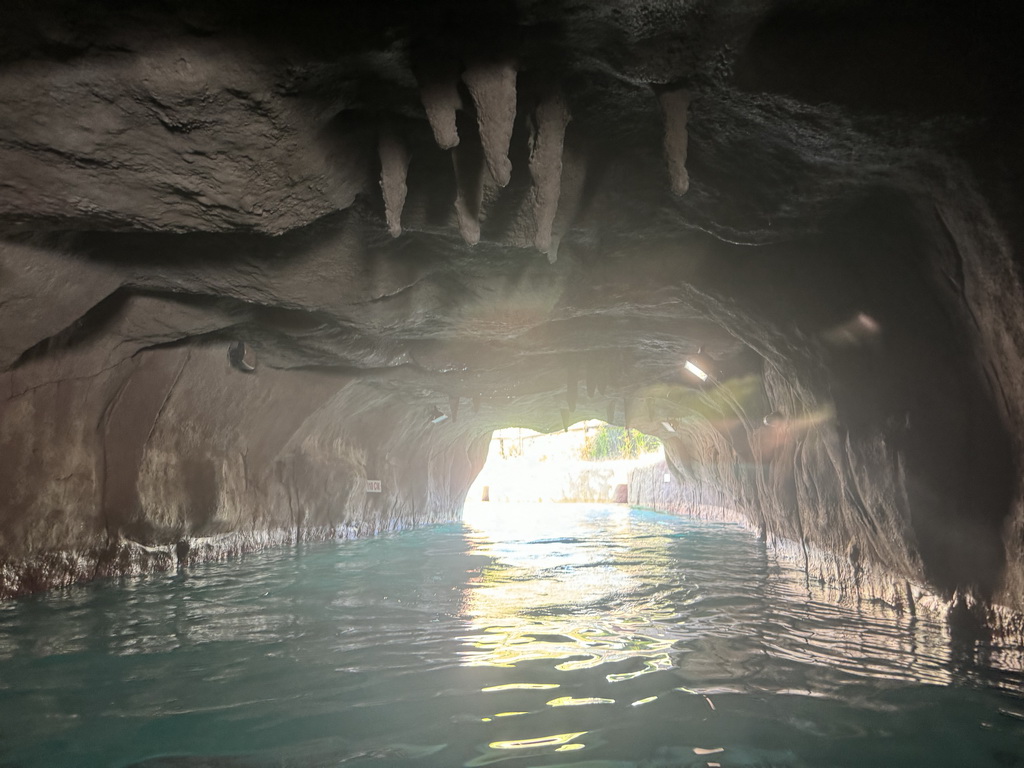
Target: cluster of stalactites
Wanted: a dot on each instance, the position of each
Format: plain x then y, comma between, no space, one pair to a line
492,87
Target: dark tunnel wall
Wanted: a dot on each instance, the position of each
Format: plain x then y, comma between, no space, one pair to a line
173,456
510,212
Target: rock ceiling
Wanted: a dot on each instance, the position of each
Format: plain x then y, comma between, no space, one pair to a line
511,213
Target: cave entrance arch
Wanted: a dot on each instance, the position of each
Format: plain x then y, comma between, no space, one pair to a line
587,461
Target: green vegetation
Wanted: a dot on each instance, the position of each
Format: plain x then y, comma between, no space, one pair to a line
610,442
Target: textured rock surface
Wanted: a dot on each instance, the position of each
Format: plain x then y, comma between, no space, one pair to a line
404,207
171,455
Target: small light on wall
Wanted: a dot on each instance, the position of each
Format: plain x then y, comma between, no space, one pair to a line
668,426
668,477
696,371
700,366
437,415
775,419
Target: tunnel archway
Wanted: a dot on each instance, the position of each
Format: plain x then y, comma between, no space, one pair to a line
587,461
272,275
465,217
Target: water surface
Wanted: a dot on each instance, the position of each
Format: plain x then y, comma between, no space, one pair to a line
530,635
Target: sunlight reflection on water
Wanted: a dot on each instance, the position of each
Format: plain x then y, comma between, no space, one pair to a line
580,600
533,636
562,597
571,576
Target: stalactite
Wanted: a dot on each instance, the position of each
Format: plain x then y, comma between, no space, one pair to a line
441,100
676,105
591,378
546,142
572,180
611,412
453,406
468,164
493,88
394,168
566,420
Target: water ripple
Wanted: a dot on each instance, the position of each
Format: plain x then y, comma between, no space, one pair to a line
529,636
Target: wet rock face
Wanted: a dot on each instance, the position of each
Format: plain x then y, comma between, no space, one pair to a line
255,256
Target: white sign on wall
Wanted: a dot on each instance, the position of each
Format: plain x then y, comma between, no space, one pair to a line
373,486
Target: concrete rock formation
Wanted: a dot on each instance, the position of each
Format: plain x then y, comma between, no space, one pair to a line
676,106
441,100
546,145
176,178
493,88
394,169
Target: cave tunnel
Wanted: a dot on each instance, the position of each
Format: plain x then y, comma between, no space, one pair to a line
272,274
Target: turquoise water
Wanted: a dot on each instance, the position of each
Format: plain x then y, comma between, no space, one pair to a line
530,635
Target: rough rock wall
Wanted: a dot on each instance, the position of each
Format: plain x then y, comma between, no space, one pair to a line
429,220
172,455
656,487
883,440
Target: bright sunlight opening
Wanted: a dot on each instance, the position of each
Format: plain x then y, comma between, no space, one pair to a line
589,462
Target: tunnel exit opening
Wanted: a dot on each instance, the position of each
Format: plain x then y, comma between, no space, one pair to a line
589,461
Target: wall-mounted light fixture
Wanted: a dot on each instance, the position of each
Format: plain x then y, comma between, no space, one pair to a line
436,415
242,356
700,366
696,370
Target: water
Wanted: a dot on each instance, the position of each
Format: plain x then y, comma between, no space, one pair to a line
527,636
